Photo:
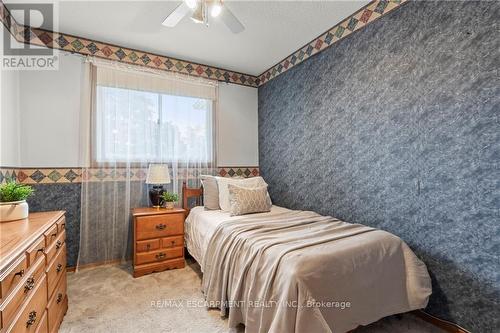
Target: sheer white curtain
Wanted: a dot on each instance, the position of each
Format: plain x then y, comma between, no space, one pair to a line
132,118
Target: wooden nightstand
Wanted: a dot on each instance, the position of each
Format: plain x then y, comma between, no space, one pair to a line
158,239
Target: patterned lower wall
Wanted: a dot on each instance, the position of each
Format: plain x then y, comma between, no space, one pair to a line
60,189
398,127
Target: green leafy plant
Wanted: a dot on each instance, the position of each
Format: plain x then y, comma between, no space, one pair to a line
170,197
12,191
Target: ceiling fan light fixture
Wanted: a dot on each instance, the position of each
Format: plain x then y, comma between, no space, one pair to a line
191,3
198,15
216,9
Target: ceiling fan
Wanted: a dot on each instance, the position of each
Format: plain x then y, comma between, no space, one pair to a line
199,11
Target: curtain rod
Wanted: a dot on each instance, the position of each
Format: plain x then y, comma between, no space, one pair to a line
139,68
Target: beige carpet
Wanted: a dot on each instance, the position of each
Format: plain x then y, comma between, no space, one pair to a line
109,299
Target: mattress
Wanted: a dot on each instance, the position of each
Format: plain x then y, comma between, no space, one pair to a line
201,224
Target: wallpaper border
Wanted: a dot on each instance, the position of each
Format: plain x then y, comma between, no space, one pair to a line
371,12
78,175
61,41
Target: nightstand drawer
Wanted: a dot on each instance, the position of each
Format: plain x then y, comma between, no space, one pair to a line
159,226
147,245
169,242
160,255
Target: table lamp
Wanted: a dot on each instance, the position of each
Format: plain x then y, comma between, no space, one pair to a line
158,175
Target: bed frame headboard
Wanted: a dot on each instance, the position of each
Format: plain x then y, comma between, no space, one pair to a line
189,192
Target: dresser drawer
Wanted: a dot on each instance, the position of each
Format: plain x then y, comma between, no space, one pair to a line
169,242
12,276
61,224
22,291
56,304
32,312
51,251
159,255
159,226
147,245
36,250
56,269
50,235
42,325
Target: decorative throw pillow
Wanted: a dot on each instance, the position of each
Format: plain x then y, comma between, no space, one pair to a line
223,183
210,192
248,200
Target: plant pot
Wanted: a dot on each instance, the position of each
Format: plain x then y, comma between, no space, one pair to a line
169,205
11,211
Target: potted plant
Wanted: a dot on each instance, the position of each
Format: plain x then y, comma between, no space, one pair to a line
13,205
170,199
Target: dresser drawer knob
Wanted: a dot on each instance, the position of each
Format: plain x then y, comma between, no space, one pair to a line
59,268
20,273
58,244
59,298
160,255
30,284
161,226
31,318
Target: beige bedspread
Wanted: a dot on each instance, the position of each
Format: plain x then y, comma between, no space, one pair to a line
302,272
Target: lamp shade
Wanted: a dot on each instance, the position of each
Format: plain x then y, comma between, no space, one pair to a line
158,174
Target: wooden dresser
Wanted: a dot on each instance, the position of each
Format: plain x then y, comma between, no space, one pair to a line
33,273
158,239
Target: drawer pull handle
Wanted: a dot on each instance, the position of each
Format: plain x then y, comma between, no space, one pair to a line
31,318
161,226
40,249
59,268
58,244
30,284
148,246
53,235
173,243
59,298
160,255
20,273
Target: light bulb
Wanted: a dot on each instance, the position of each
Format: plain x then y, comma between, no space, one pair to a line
216,9
191,3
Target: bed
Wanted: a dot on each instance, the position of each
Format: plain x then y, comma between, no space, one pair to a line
298,271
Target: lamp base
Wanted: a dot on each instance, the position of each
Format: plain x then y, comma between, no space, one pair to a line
155,194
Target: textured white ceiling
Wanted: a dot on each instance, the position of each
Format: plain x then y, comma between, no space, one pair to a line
274,29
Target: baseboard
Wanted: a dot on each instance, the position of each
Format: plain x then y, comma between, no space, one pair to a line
441,323
97,264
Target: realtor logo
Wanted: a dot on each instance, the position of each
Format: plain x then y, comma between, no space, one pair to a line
19,53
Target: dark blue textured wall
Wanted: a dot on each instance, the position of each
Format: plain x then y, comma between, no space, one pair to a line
397,127
61,197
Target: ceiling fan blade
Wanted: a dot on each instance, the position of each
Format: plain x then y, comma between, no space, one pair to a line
231,21
177,15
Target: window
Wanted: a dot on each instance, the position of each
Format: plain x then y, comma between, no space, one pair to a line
141,126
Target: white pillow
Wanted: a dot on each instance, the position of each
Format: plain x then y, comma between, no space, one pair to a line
223,182
210,192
